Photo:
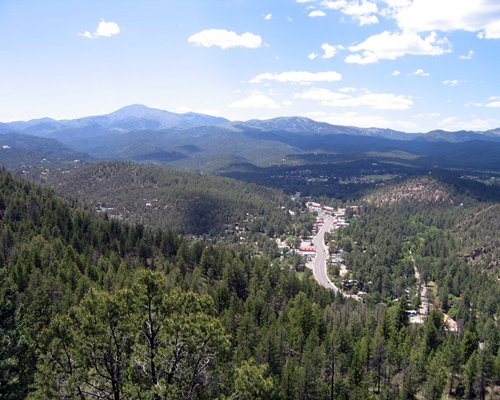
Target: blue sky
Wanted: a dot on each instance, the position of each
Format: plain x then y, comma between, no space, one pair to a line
411,65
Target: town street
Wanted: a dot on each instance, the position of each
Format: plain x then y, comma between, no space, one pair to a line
319,263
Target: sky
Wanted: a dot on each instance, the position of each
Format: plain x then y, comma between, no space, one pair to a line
411,65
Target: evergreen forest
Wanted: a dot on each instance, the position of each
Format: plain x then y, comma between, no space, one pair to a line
94,308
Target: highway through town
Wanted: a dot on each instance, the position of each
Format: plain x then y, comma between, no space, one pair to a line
320,264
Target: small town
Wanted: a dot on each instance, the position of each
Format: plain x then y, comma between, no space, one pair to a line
250,200
322,254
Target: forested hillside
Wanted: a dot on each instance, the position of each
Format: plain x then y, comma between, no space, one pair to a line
449,236
480,240
185,201
384,241
416,191
26,152
93,308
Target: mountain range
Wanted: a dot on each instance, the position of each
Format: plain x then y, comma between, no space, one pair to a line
139,117
204,142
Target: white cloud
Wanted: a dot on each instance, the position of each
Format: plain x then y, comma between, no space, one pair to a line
396,73
225,39
268,17
255,100
104,29
347,90
329,50
472,124
334,5
428,115
420,16
481,16
397,3
353,7
359,98
357,8
452,82
420,72
298,77
494,102
363,11
317,13
287,103
368,20
467,56
390,46
358,59
491,31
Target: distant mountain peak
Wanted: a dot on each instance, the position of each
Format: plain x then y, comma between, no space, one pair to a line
136,107
138,111
165,119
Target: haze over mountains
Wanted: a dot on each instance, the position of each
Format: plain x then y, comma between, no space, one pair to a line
140,117
209,143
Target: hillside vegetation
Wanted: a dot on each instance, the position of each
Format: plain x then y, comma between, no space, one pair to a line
479,238
24,152
418,191
185,201
423,224
97,309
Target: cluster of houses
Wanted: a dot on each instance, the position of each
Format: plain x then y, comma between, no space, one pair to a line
339,215
307,249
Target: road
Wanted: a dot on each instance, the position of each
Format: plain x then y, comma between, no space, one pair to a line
320,265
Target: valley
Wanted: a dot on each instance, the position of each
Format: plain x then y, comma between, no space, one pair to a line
250,200
291,244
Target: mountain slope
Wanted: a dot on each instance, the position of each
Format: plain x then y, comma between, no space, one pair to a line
145,134
478,236
185,201
459,136
420,190
129,118
138,117
310,127
25,151
47,147
214,144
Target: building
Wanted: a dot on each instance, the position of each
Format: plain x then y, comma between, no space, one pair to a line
307,250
